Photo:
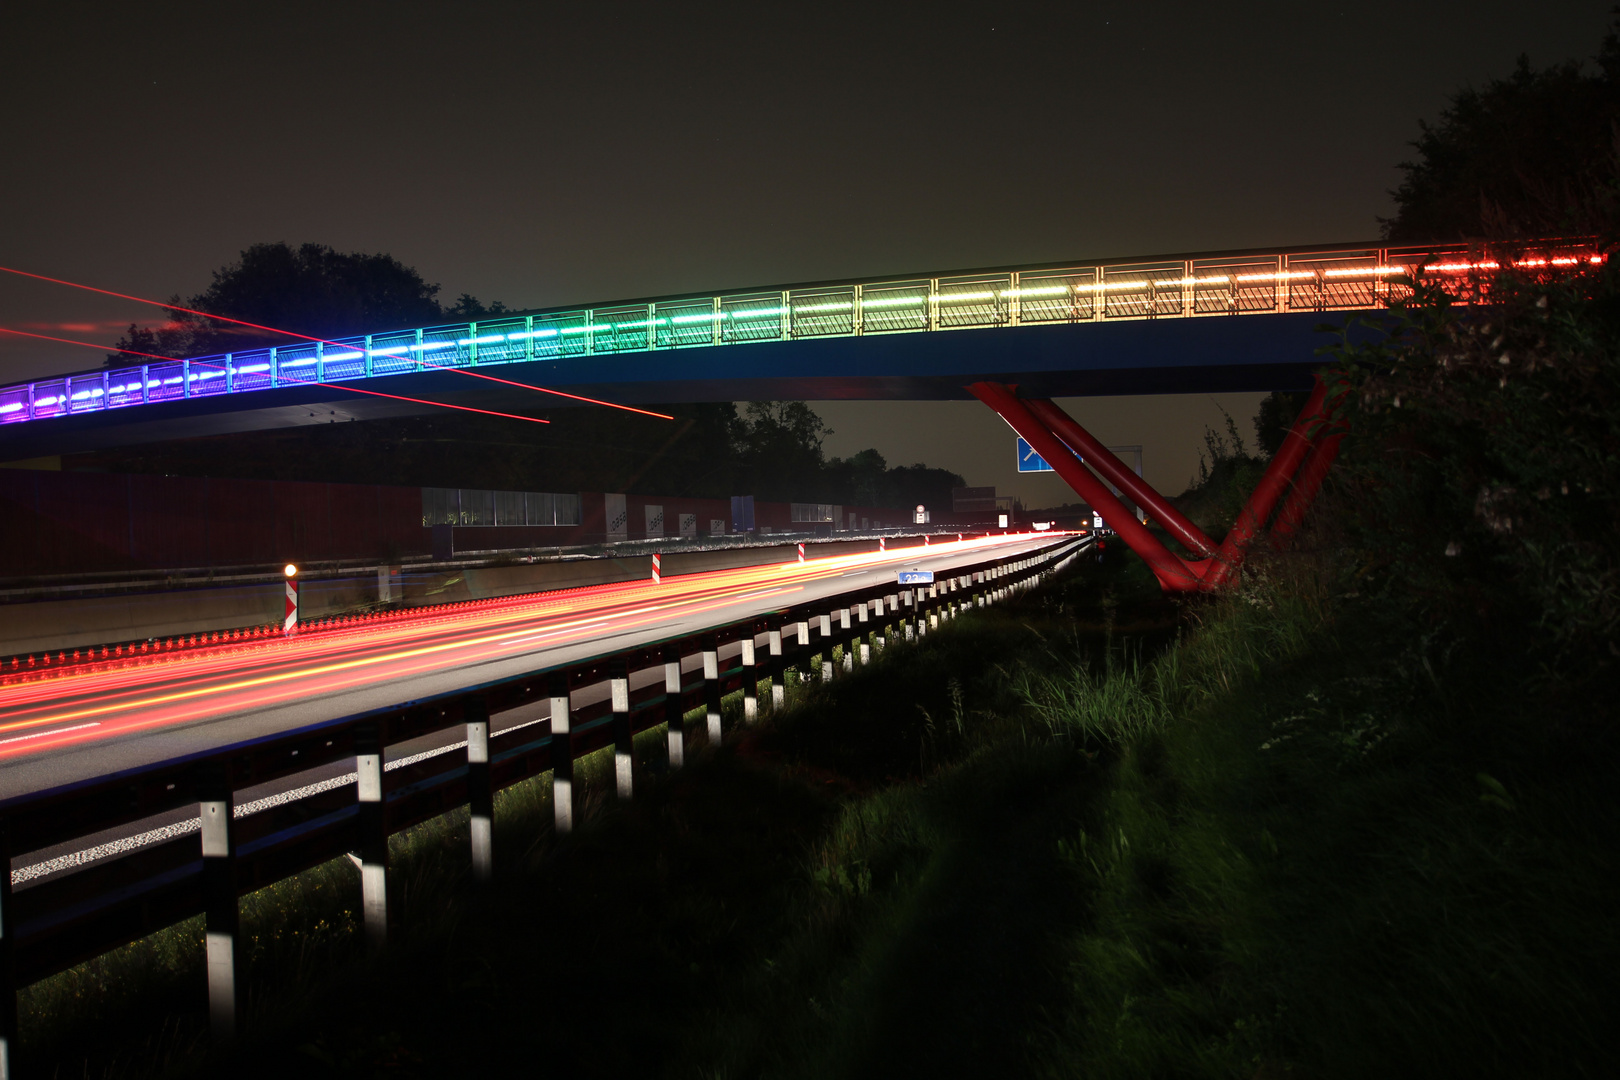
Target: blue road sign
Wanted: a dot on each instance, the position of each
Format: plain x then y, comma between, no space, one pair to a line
1029,460
916,577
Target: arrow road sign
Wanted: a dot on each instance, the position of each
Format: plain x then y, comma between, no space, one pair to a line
1029,460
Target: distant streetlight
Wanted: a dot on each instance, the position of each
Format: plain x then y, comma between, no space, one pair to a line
290,570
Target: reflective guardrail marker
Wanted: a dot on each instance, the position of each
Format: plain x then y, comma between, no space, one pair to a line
289,624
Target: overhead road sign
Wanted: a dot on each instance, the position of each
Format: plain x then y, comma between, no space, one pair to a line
1029,460
916,577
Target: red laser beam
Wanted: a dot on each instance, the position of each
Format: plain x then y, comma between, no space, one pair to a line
324,341
330,386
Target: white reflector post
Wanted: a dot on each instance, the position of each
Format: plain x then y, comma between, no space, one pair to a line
289,624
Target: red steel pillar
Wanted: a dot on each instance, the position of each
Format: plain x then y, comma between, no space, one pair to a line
1306,485
1113,470
1173,574
1284,464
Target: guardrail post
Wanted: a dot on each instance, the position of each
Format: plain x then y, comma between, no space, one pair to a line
373,829
826,649
910,603
778,671
562,756
624,746
849,642
674,715
750,679
866,619
711,686
221,919
8,960
480,792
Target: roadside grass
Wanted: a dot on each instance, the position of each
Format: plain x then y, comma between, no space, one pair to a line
1344,858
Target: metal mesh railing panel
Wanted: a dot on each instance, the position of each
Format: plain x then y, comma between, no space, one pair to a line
751,317
822,312
619,329
251,370
976,301
446,346
1141,292
207,378
295,364
123,387
1235,287
1057,296
14,403
85,393
502,341
344,358
165,382
560,334
50,398
684,323
393,353
1330,284
894,306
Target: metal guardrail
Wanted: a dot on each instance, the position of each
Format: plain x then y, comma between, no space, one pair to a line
67,918
1191,286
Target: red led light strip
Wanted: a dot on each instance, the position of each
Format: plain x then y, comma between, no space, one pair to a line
324,341
333,386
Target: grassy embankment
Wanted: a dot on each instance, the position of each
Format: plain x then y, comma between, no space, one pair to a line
1049,840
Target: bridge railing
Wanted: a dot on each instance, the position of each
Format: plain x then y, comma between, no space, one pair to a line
1194,286
228,846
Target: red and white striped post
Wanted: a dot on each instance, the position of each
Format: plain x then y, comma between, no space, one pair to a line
289,624
883,544
657,559
801,551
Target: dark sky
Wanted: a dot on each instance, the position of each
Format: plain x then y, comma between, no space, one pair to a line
549,154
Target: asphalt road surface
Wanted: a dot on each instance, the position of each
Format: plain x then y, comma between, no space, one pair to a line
126,712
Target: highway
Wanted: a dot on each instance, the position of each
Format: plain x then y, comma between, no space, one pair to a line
123,712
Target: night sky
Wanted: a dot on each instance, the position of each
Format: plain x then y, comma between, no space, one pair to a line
549,154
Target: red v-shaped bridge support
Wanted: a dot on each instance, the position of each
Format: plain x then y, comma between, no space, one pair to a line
1296,470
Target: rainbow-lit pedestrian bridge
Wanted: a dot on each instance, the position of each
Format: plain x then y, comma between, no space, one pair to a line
1243,320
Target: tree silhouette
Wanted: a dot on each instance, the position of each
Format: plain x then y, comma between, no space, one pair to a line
311,289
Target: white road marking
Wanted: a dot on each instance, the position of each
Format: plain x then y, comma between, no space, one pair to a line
56,731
